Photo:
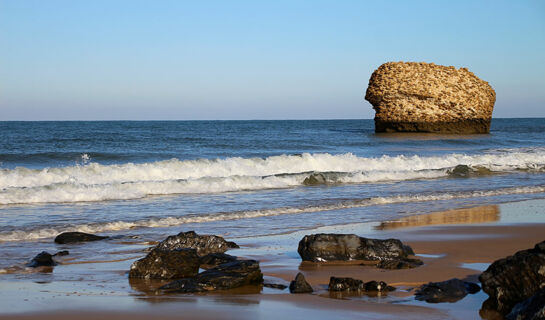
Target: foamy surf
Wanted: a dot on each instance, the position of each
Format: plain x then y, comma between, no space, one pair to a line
22,235
96,182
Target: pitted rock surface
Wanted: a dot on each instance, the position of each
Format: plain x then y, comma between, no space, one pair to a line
425,97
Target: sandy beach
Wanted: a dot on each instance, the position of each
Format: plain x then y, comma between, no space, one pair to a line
455,243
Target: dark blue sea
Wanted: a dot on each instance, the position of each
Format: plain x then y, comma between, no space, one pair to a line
245,178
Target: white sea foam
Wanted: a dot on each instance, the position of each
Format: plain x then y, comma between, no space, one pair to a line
96,182
20,235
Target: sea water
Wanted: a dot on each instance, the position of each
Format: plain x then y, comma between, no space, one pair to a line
246,178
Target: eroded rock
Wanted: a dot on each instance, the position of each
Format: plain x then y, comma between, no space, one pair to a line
344,247
73,237
166,264
204,244
223,277
425,97
300,285
445,291
212,260
514,279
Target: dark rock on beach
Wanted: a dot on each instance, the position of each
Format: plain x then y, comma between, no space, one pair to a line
73,237
344,247
532,308
166,264
355,285
406,263
300,285
42,259
275,285
204,244
225,276
61,253
514,279
212,260
446,291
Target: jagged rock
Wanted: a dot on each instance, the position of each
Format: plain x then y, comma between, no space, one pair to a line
204,244
446,291
532,308
406,263
72,237
514,279
42,259
212,260
315,179
275,285
425,97
166,264
355,285
343,247
300,285
225,276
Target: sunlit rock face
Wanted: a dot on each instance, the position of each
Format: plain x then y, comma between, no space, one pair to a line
425,97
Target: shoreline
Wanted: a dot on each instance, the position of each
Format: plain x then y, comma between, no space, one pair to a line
453,243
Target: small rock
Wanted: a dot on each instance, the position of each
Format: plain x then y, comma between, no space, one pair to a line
72,237
275,285
166,264
42,259
399,264
204,244
300,285
355,285
315,179
446,291
61,253
225,276
344,247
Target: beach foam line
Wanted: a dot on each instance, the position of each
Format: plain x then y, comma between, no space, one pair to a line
19,235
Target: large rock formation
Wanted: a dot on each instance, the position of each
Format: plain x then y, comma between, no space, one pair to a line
425,97
514,279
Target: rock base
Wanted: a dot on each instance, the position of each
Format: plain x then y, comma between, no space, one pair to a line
469,126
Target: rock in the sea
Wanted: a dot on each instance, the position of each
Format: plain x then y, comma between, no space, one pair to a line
61,253
225,276
300,285
425,97
42,259
166,264
72,237
315,179
355,285
514,279
204,244
343,247
446,291
532,308
405,263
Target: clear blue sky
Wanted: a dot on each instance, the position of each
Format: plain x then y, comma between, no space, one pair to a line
95,60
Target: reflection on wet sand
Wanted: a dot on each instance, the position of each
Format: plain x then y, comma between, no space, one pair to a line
475,215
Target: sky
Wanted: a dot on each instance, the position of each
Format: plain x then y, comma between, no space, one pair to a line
192,60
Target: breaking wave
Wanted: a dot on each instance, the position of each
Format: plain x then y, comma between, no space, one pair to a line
96,182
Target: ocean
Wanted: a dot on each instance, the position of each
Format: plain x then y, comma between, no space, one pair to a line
151,179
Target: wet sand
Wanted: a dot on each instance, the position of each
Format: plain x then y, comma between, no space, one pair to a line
455,243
